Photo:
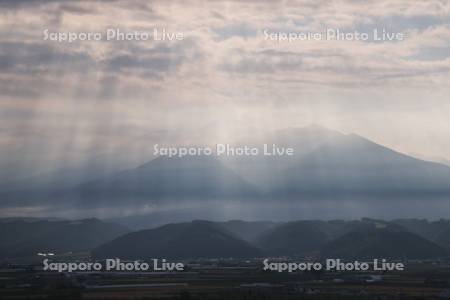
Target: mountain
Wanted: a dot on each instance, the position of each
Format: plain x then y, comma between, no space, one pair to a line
392,242
267,172
189,177
248,231
197,239
354,165
443,238
358,239
294,238
20,238
435,231
327,165
306,236
437,159
59,179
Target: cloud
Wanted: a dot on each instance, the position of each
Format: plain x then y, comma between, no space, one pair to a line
223,70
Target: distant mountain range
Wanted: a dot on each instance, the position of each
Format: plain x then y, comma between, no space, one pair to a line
327,164
197,239
437,231
166,178
293,238
388,242
364,239
352,164
360,239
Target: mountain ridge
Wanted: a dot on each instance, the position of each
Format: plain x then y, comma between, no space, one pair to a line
330,165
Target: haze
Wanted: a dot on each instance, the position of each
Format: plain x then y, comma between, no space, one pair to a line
68,104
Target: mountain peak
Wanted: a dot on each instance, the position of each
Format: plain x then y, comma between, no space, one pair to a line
197,239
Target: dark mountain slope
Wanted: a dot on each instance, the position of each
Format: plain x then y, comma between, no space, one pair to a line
248,231
294,238
190,177
353,164
390,242
197,239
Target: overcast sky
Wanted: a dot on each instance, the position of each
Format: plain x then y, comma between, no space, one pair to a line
62,103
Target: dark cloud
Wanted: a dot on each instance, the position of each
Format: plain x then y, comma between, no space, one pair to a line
38,66
18,57
156,61
70,5
15,89
15,4
235,30
271,61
